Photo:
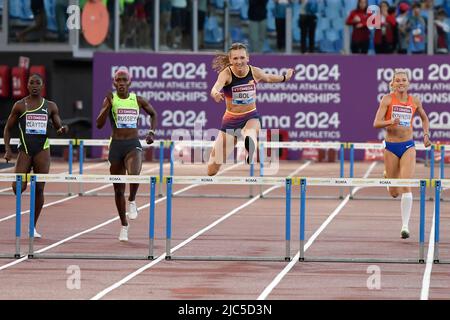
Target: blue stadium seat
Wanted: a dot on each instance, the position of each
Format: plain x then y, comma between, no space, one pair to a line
350,5
213,32
244,10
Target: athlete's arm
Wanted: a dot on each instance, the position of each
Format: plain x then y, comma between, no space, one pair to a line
11,122
144,104
223,78
425,122
106,108
379,121
56,120
260,75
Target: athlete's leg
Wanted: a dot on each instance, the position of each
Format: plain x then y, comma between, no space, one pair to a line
23,165
41,164
250,134
133,165
392,169
119,191
223,146
407,168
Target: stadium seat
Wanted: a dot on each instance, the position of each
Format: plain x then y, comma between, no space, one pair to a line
213,32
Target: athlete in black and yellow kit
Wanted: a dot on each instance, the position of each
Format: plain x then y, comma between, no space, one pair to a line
125,150
33,114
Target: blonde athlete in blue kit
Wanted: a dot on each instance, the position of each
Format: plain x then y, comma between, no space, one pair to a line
125,150
396,113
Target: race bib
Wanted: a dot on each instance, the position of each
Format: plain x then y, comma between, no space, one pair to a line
244,94
36,124
404,113
127,118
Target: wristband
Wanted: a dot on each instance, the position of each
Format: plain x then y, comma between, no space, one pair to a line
151,132
284,78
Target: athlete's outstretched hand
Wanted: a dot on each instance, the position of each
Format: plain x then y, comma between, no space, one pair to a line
426,141
289,74
217,95
150,137
8,155
62,130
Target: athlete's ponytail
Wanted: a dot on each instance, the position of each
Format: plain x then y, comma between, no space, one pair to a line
220,62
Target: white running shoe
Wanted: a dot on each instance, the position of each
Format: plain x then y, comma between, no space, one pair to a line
405,232
123,236
132,210
36,234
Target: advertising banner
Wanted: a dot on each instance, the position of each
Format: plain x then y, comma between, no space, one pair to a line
329,98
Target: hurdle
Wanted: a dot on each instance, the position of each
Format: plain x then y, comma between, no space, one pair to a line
357,182
438,186
272,181
82,143
380,146
201,144
18,178
302,145
53,142
56,178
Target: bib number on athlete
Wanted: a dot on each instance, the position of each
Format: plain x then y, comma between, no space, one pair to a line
404,114
36,124
127,118
244,94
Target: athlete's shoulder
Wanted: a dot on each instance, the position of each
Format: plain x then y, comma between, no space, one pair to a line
416,100
387,99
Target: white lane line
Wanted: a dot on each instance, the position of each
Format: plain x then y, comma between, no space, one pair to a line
430,258
291,264
102,224
116,285
66,172
71,197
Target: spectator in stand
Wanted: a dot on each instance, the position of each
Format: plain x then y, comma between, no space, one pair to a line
164,23
202,9
384,38
178,22
40,21
307,24
442,31
280,22
142,23
361,34
402,28
61,18
257,16
417,28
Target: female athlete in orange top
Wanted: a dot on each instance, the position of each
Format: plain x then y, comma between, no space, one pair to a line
238,80
395,113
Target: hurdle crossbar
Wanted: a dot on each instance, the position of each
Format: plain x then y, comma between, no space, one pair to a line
251,181
439,185
35,178
18,179
358,182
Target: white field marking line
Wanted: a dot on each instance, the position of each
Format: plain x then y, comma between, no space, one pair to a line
66,172
104,292
71,197
100,225
291,264
430,257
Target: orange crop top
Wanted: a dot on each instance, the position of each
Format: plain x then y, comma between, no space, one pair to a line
403,111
